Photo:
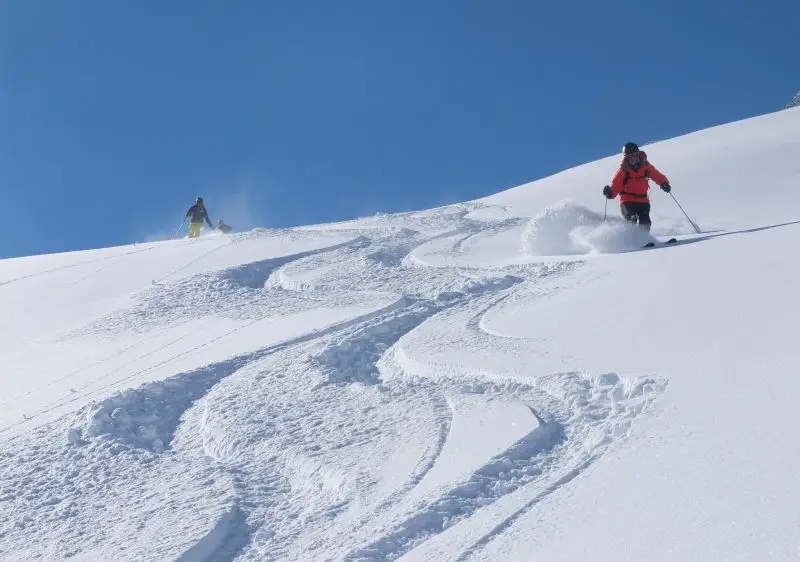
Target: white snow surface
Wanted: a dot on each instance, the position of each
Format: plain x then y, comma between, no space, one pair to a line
511,378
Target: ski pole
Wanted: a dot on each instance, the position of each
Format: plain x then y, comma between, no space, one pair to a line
605,210
696,228
180,227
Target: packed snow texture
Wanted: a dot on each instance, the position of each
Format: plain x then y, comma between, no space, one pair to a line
511,378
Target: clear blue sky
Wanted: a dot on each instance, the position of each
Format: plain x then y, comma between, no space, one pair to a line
115,115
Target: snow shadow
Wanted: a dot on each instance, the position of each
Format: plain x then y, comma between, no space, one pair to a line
710,235
146,417
254,275
354,358
503,474
579,416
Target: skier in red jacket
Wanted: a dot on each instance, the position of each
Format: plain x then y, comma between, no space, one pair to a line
631,183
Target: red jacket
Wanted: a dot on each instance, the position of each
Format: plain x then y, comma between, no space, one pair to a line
632,184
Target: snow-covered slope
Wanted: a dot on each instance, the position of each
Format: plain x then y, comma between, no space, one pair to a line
503,379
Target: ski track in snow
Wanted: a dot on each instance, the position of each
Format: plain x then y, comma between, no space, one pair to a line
274,445
111,260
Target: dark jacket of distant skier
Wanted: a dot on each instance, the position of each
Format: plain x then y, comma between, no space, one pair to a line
223,228
198,213
631,183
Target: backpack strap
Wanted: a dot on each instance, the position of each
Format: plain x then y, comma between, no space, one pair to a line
626,168
627,173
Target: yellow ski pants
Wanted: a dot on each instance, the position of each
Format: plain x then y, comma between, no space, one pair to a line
194,229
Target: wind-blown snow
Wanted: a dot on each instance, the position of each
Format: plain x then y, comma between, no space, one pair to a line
511,378
565,229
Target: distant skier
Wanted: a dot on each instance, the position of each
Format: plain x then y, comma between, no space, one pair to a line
198,213
223,228
631,183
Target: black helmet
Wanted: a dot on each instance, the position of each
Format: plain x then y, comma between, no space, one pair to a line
199,200
630,148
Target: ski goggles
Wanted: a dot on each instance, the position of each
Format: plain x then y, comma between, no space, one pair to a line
632,158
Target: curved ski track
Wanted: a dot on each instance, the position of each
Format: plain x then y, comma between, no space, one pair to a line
328,445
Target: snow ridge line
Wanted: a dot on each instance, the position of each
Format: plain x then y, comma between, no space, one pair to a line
215,541
255,275
128,414
503,474
354,358
276,262
411,260
427,462
568,475
603,413
369,344
349,357
587,414
239,275
403,240
470,229
480,227
217,293
544,273
132,416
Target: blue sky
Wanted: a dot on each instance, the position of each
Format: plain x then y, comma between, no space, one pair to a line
115,115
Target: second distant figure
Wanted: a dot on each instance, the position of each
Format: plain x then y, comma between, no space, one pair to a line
197,214
223,228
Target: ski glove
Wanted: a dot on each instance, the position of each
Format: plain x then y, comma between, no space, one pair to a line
666,187
608,193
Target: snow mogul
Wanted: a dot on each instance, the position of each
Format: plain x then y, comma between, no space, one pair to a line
631,183
196,214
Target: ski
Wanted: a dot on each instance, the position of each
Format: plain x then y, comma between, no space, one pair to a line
653,244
